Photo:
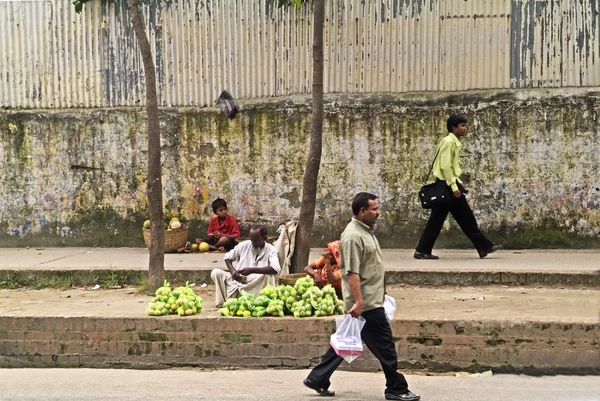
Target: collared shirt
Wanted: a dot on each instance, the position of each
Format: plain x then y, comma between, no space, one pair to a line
360,253
447,164
228,227
247,255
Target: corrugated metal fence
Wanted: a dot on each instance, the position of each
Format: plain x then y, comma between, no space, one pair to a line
50,57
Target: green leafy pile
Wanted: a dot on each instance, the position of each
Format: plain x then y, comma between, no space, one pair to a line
302,300
181,300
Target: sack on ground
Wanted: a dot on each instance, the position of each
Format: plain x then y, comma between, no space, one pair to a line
346,340
389,305
285,245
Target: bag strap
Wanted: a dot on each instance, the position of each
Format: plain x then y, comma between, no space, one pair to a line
432,163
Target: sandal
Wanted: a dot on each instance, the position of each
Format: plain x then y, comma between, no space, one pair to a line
321,391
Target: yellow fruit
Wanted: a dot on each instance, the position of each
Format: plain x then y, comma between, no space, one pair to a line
195,248
147,224
204,247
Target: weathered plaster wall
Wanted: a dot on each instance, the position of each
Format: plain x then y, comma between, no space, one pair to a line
77,177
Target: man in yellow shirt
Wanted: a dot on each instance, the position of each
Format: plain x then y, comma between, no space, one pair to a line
446,167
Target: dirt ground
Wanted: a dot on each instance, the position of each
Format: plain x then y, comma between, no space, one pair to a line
464,303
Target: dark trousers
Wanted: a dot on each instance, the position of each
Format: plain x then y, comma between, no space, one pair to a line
377,335
462,213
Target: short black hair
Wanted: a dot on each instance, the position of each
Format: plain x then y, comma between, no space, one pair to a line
217,203
361,200
453,121
262,228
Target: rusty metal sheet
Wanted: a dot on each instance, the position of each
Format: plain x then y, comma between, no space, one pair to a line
50,57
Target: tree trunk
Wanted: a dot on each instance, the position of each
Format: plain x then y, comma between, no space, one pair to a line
313,162
154,180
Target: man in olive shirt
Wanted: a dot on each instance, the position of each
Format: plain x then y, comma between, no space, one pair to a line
364,289
446,167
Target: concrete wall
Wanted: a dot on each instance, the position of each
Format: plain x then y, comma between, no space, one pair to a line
77,177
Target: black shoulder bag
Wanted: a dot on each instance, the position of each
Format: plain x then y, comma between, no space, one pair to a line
436,193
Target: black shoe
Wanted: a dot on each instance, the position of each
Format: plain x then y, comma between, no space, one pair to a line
408,396
421,255
321,391
486,252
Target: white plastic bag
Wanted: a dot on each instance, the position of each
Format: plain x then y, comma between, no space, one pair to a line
389,305
346,340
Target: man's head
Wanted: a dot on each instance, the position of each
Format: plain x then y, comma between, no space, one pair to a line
219,207
258,235
366,208
457,125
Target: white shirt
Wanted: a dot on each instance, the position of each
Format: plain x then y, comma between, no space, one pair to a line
249,256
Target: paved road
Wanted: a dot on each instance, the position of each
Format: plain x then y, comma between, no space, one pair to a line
570,261
275,385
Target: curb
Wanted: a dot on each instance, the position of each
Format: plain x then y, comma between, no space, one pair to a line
110,278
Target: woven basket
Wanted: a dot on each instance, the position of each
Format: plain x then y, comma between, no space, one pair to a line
290,278
174,239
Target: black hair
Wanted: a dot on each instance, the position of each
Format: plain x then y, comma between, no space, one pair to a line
361,200
217,203
261,228
453,121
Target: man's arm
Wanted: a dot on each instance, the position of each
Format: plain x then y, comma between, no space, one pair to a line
235,229
257,270
446,165
229,258
234,273
351,253
354,282
272,267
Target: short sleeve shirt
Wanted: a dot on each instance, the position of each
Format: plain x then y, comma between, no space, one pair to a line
247,255
228,227
360,253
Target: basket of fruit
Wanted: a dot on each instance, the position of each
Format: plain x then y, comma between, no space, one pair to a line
290,279
176,235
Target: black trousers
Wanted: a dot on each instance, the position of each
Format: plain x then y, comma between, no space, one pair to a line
377,335
462,213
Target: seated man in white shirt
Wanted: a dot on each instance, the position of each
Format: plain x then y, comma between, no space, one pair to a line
257,266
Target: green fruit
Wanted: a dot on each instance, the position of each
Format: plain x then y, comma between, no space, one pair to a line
189,312
195,248
147,224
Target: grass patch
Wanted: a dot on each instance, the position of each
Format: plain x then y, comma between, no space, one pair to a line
62,282
57,280
114,278
143,286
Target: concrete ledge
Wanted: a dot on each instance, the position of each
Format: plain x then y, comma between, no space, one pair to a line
157,343
483,278
111,278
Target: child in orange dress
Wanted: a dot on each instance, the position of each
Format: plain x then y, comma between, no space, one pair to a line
325,270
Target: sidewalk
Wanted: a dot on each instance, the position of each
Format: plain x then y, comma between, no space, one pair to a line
549,261
114,267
